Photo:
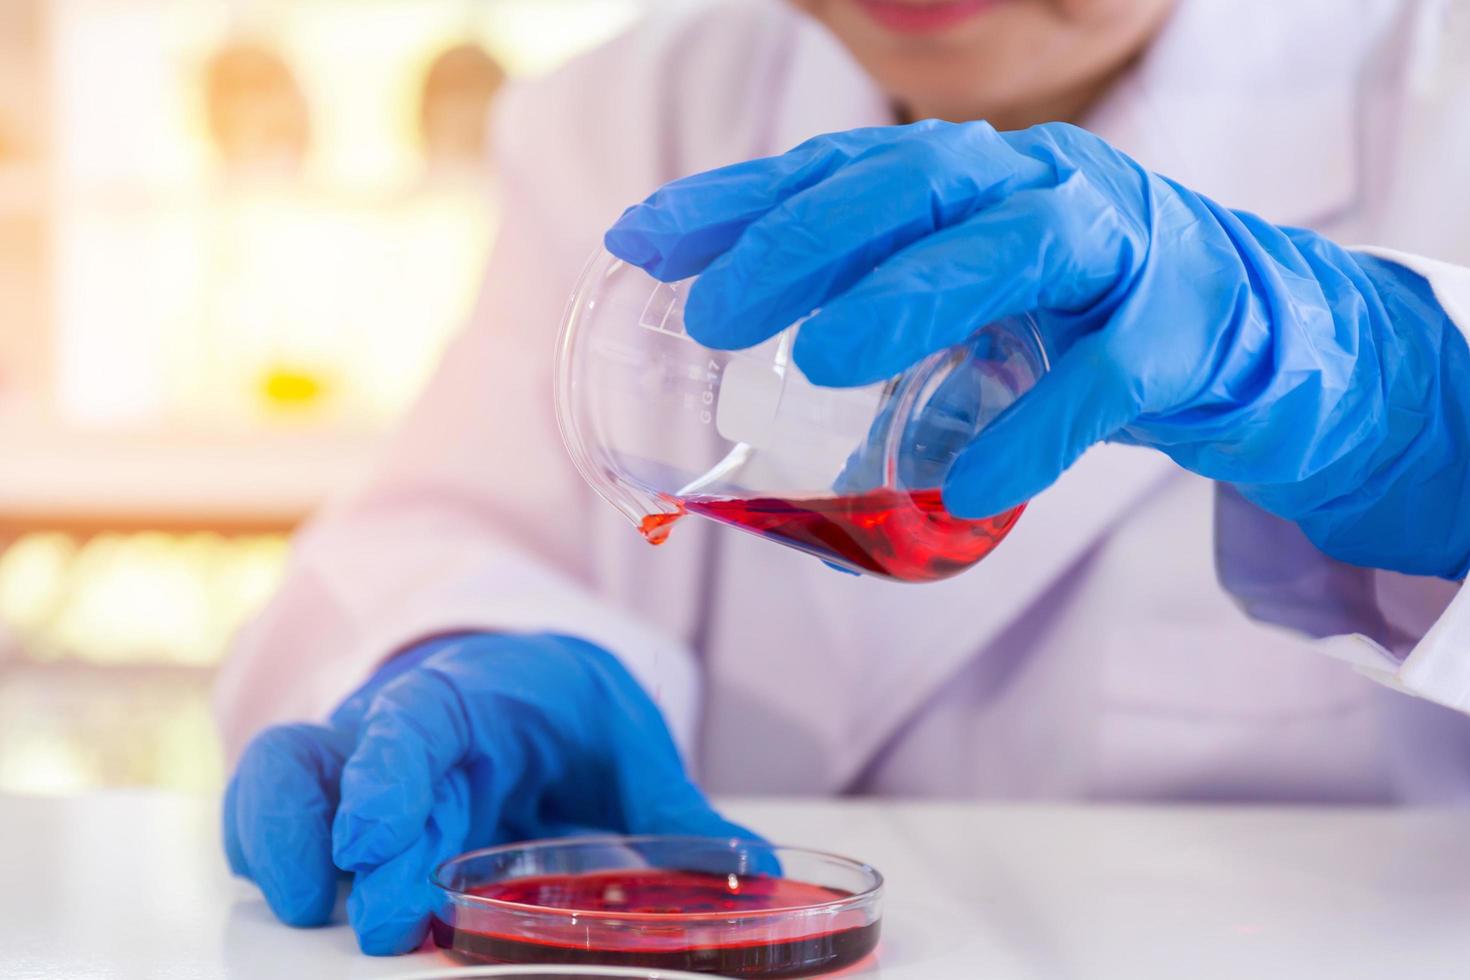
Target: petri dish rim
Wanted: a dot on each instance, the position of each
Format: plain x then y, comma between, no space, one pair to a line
856,899
522,971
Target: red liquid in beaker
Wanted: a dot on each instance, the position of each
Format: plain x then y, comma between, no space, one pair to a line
781,948
906,535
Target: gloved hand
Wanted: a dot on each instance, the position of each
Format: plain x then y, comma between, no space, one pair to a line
1330,387
461,743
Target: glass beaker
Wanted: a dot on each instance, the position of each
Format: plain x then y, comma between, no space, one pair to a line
662,426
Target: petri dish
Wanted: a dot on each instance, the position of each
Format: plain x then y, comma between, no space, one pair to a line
701,905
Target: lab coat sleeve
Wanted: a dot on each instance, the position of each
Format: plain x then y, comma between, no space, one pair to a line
474,519
1408,632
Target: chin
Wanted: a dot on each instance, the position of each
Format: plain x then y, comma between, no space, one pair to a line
991,57
948,88
998,60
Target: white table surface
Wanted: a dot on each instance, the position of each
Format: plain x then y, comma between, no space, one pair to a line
133,885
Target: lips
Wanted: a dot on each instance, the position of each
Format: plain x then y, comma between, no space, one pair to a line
923,18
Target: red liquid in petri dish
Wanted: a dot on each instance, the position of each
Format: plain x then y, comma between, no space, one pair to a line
784,950
905,535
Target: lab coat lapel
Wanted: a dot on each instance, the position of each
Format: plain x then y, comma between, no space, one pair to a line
1242,122
1229,102
824,91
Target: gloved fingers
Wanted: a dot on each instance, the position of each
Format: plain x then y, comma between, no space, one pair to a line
659,799
821,241
680,809
1086,397
743,854
390,903
285,791
645,789
1055,249
676,807
684,225
413,734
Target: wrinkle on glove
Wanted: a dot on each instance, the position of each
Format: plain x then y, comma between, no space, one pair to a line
278,819
1329,387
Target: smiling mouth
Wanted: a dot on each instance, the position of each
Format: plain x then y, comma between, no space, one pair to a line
909,17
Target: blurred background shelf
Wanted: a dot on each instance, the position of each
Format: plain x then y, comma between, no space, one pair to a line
234,236
68,727
245,481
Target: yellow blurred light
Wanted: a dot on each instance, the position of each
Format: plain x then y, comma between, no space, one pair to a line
135,598
186,753
37,762
68,730
292,388
33,576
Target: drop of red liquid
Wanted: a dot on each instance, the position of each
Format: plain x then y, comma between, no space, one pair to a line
655,528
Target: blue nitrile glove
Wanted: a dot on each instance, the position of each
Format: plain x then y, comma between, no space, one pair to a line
1329,387
461,743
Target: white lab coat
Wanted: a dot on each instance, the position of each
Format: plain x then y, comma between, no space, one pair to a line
1095,654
